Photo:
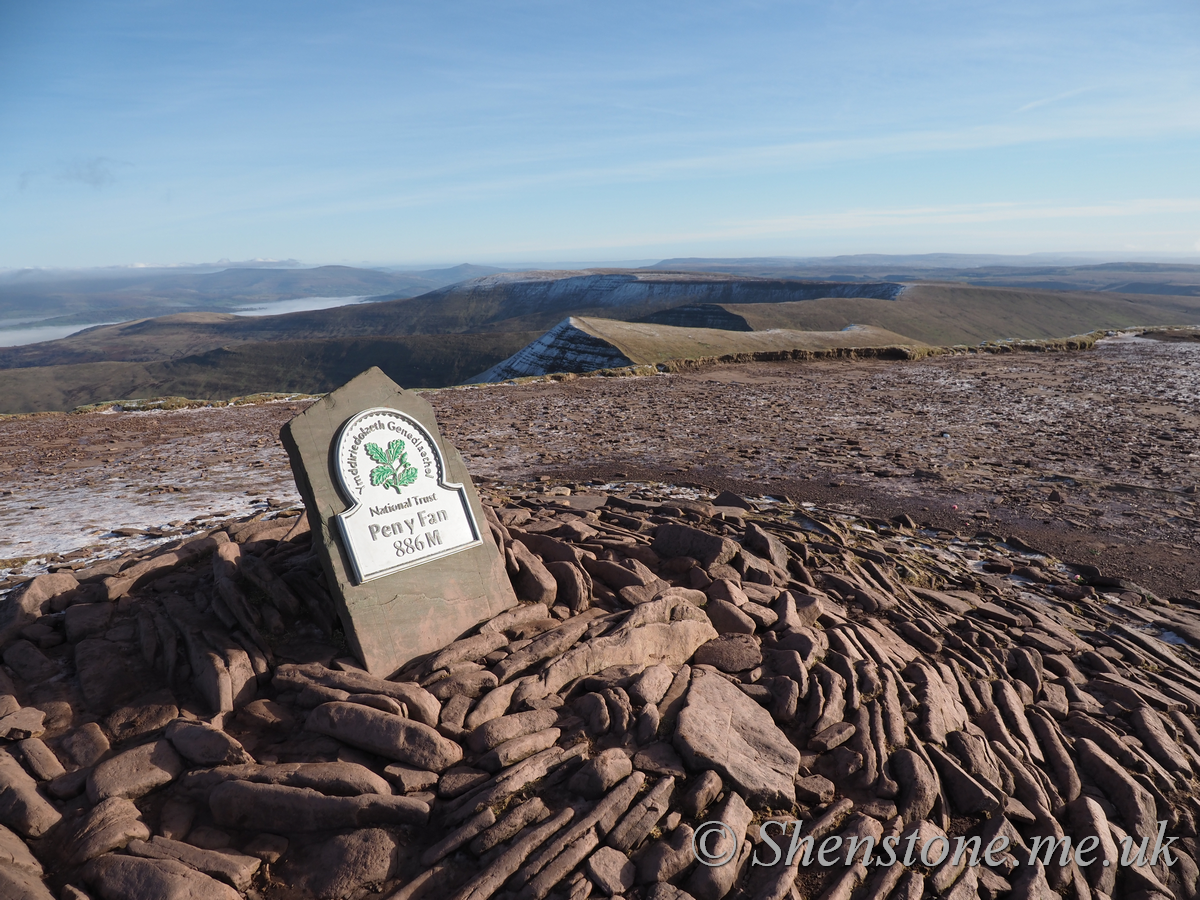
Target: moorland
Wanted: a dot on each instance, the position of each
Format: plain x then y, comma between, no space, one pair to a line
451,333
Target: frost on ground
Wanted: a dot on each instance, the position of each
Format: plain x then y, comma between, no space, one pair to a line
1093,455
102,483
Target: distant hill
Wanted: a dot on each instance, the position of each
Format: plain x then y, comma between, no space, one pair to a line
938,313
129,294
452,275
1040,271
507,302
454,332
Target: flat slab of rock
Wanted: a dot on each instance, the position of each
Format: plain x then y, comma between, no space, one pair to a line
204,745
142,716
660,759
109,825
388,735
611,871
407,779
129,877
721,728
13,852
29,662
683,540
422,705
135,772
671,643
457,780
22,808
86,745
232,868
21,884
343,865
597,775
337,779
730,653
728,618
27,722
278,809
23,607
505,728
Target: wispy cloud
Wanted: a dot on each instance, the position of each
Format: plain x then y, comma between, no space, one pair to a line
95,172
1046,101
981,212
889,220
471,179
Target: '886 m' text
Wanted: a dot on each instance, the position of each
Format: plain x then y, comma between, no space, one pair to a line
408,546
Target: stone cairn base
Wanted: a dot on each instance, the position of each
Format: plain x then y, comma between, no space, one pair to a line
184,724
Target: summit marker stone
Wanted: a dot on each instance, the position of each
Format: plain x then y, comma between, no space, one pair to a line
402,536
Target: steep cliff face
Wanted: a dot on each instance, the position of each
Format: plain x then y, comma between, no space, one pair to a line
620,288
542,298
564,348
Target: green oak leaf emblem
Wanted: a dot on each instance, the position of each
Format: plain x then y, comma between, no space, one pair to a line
393,470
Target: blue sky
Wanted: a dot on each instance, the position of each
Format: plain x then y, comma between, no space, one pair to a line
169,132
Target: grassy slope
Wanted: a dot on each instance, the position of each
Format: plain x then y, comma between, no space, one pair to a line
303,366
645,343
945,314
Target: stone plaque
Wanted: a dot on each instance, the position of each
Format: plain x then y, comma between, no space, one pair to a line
407,552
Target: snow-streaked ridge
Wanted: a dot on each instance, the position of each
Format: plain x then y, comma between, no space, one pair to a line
564,348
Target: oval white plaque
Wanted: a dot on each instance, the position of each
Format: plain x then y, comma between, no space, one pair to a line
402,512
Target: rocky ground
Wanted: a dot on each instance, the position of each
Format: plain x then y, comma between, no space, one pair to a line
184,724
180,718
